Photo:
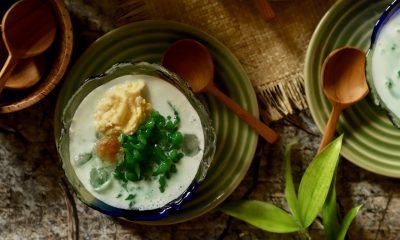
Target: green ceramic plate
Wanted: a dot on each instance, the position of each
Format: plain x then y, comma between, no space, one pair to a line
236,142
371,141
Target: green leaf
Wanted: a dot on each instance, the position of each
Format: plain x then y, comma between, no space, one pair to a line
263,215
330,217
347,221
290,192
316,181
130,197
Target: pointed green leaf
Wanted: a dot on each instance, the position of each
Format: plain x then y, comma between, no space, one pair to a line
330,217
347,221
316,181
290,192
262,215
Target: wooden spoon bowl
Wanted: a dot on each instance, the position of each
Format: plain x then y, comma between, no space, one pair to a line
27,73
57,59
348,85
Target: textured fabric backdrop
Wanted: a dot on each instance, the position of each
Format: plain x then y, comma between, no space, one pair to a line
272,53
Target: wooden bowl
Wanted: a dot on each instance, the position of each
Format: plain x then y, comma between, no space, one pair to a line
57,59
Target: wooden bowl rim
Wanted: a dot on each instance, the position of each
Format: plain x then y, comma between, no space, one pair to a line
64,56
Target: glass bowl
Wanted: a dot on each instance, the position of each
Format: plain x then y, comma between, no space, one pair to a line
116,71
392,10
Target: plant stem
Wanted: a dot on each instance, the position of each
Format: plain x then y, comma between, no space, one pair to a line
304,235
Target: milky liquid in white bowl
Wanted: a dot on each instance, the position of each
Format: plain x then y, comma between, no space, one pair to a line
386,64
147,194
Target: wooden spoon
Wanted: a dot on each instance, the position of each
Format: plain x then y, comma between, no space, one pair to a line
29,29
27,72
191,60
344,83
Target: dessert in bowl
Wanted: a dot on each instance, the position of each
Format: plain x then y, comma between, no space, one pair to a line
383,62
136,143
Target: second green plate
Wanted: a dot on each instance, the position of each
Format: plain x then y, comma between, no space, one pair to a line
236,142
371,141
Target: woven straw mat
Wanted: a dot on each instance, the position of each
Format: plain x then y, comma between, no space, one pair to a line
272,53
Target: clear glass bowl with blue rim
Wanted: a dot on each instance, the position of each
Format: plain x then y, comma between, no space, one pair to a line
116,71
392,10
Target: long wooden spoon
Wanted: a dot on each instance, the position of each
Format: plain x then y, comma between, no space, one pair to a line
191,60
344,83
29,29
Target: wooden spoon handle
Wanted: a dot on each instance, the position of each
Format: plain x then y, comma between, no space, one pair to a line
6,71
265,9
330,127
258,126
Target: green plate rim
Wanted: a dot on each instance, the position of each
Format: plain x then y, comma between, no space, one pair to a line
252,106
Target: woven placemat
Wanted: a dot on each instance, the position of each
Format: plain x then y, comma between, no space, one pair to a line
272,53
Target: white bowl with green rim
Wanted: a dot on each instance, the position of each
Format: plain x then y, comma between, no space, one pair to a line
370,139
236,142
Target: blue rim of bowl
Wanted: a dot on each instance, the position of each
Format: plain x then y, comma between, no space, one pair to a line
174,205
392,9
